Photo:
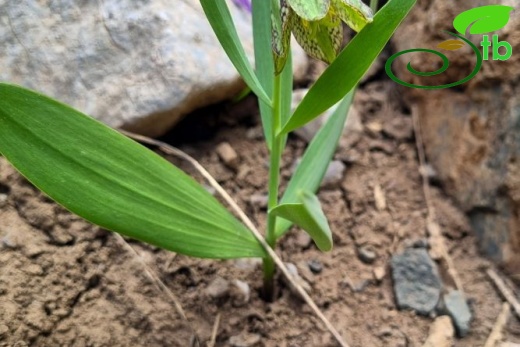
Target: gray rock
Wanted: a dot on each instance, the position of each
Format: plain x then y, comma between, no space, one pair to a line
218,288
245,340
457,308
315,266
141,65
334,174
259,200
367,254
240,292
417,284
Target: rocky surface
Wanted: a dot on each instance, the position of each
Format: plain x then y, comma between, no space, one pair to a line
457,308
417,284
140,65
472,132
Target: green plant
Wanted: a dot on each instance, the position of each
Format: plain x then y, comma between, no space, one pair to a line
112,181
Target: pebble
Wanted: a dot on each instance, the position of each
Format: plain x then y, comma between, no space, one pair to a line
379,197
303,240
3,329
245,340
293,271
417,284
441,333
334,174
315,266
457,308
259,200
379,273
218,288
367,254
227,154
241,292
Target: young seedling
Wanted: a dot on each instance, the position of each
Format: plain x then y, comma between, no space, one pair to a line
112,181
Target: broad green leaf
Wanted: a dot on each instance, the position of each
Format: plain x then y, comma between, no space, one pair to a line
281,35
112,181
311,169
483,19
308,215
321,39
350,65
353,12
221,21
310,10
264,61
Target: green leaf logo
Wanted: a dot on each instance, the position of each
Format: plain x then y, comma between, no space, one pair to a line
483,19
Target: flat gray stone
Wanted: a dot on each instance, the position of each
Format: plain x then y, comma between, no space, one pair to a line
140,65
417,284
457,308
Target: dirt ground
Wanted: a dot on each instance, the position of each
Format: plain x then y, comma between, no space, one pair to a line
66,283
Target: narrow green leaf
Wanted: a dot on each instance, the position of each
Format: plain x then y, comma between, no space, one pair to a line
114,182
483,19
310,10
350,65
308,215
309,173
264,61
221,21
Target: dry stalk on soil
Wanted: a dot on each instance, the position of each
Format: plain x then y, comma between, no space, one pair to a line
505,291
496,333
278,261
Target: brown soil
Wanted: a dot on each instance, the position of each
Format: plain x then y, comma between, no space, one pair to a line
66,283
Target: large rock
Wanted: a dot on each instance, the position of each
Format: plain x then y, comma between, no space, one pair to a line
471,132
140,65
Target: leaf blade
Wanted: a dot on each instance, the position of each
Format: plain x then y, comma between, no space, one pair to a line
350,65
221,21
309,216
309,173
112,181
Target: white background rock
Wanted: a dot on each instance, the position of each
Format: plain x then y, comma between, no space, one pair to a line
136,64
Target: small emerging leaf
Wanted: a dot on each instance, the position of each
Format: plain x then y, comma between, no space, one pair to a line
483,19
451,45
353,12
309,216
310,10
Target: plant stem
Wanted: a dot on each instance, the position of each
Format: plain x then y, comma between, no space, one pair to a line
373,5
274,182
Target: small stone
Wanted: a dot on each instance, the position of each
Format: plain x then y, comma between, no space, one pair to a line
457,308
441,333
3,199
417,283
12,239
210,189
33,269
367,254
374,126
240,292
334,174
227,154
218,288
303,240
379,197
245,340
315,266
259,200
3,329
293,271
379,273
247,263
